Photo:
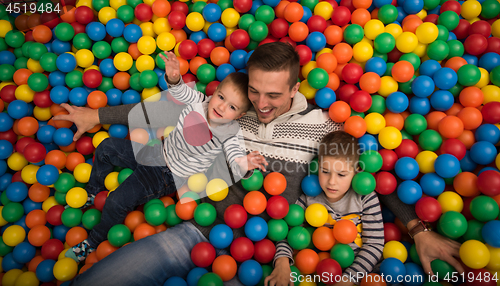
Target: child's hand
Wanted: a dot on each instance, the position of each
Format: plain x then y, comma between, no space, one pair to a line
281,274
252,161
172,68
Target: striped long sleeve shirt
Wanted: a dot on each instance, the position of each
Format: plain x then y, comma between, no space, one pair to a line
366,214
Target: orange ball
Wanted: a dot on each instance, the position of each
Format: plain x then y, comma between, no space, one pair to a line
228,45
327,61
465,184
33,20
38,235
67,14
70,148
56,158
143,230
343,52
224,266
293,12
338,70
160,228
161,8
184,65
394,120
97,99
219,56
356,126
56,108
345,231
34,263
104,249
21,22
21,76
450,126
339,111
360,17
38,192
92,258
134,52
279,10
362,4
42,34
35,217
433,119
333,35
185,208
471,117
274,183
455,109
62,123
167,201
28,126
179,35
76,235
323,238
471,96
455,63
402,71
370,82
73,160
467,137
121,80
372,279
411,25
84,268
134,219
333,81
306,261
298,31
255,202
324,255
195,63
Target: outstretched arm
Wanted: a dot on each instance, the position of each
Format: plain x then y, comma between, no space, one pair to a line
84,118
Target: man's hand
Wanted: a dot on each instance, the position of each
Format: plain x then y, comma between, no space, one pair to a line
172,67
281,274
84,118
252,161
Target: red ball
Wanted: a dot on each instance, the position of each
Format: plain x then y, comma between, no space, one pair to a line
360,101
479,282
488,182
203,254
51,249
235,216
277,207
462,30
42,99
480,27
18,178
34,152
53,216
84,145
394,55
22,143
264,251
341,16
428,209
79,28
346,3
288,41
50,19
330,269
454,147
239,39
181,7
242,6
84,15
242,249
346,91
186,78
491,112
205,47
176,19
475,44
305,54
389,158
9,135
432,18
143,12
451,5
188,49
8,93
210,89
352,73
92,78
466,210
391,232
279,27
100,200
493,45
316,24
407,148
386,183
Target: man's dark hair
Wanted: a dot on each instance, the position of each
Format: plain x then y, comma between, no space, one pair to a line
275,57
240,82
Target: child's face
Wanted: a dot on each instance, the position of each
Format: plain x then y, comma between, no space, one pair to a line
335,176
226,104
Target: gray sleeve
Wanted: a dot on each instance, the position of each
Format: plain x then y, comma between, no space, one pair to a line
404,212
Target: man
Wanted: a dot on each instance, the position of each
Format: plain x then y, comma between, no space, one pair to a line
284,128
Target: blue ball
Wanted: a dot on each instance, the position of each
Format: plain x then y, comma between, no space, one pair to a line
432,184
451,36
256,228
47,175
272,3
307,14
316,41
221,236
217,32
96,31
491,233
30,205
66,62
429,68
8,263
483,152
409,192
115,27
325,97
397,102
57,78
487,169
114,96
196,37
63,137
442,100
367,142
435,10
248,56
7,57
5,181
60,231
310,185
194,275
132,33
401,14
237,59
17,192
416,272
420,105
447,166
445,78
45,134
391,268
6,122
423,86
78,96
470,59
224,70
6,149
255,5
44,270
413,6
488,132
107,68
118,131
376,65
3,167
24,252
250,272
211,12
489,61
60,48
380,3
175,281
467,164
59,94
131,96
407,168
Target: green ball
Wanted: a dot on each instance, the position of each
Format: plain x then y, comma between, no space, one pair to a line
14,38
468,75
253,45
413,59
438,50
149,78
298,237
4,248
126,14
456,89
206,73
133,3
295,272
133,69
99,4
442,268
118,235
405,87
119,45
314,167
453,224
21,63
3,13
258,31
205,214
449,19
38,82
311,230
155,214
64,32
12,212
3,199
388,70
266,271
254,182
378,104
81,185
135,82
82,41
387,14
295,215
443,33
7,72
430,140
172,218
265,14
18,52
474,228
363,183
384,42
370,161
198,6
343,254
484,208
456,49
415,124
224,4
60,198
37,50
353,34
317,78
3,45
246,21
101,50
154,142
65,182
124,174
152,202
309,4
495,76
430,4
26,49
91,218
355,113
210,278
106,84
71,217
490,9
74,79
201,87
48,62
377,54
414,255
277,229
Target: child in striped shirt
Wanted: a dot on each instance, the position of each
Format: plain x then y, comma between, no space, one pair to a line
338,163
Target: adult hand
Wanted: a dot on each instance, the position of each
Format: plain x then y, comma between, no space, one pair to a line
172,67
281,274
84,118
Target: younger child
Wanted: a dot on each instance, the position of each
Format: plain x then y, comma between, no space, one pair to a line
189,149
338,162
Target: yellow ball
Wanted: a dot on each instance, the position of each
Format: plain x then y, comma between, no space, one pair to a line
84,58
63,253
87,3
77,197
491,93
111,181
395,249
229,31
230,17
387,86
494,264
206,26
82,172
420,50
316,215
14,235
497,161
161,26
176,49
167,131
495,29
323,9
98,137
427,32
308,281
16,161
48,203
406,42
65,269
390,137
5,26
123,61
145,62
148,29
165,41
2,220
149,2
28,174
422,14
115,4
42,114
425,160
394,29
474,254
484,80
375,122
24,93
323,51
106,14
28,278
373,28
34,66
308,91
146,45
362,51
450,201
217,190
10,277
197,182
308,68
471,9
195,21
152,94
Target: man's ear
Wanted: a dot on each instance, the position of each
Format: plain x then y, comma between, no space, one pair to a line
295,88
241,115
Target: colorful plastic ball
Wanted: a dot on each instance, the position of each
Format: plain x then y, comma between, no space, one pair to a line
66,62
376,65
256,228
409,192
353,34
47,175
391,268
453,224
44,270
221,236
132,33
390,137
17,192
432,184
397,102
428,209
474,254
423,86
486,152
483,208
204,214
176,280
13,235
445,78
235,216
447,166
316,215
491,233
298,237
488,181
295,216
250,272
407,168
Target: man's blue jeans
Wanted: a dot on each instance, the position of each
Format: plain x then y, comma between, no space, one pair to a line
151,179
149,261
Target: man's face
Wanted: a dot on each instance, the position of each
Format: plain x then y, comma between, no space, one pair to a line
270,93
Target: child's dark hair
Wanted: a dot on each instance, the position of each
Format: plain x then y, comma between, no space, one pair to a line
240,82
340,145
